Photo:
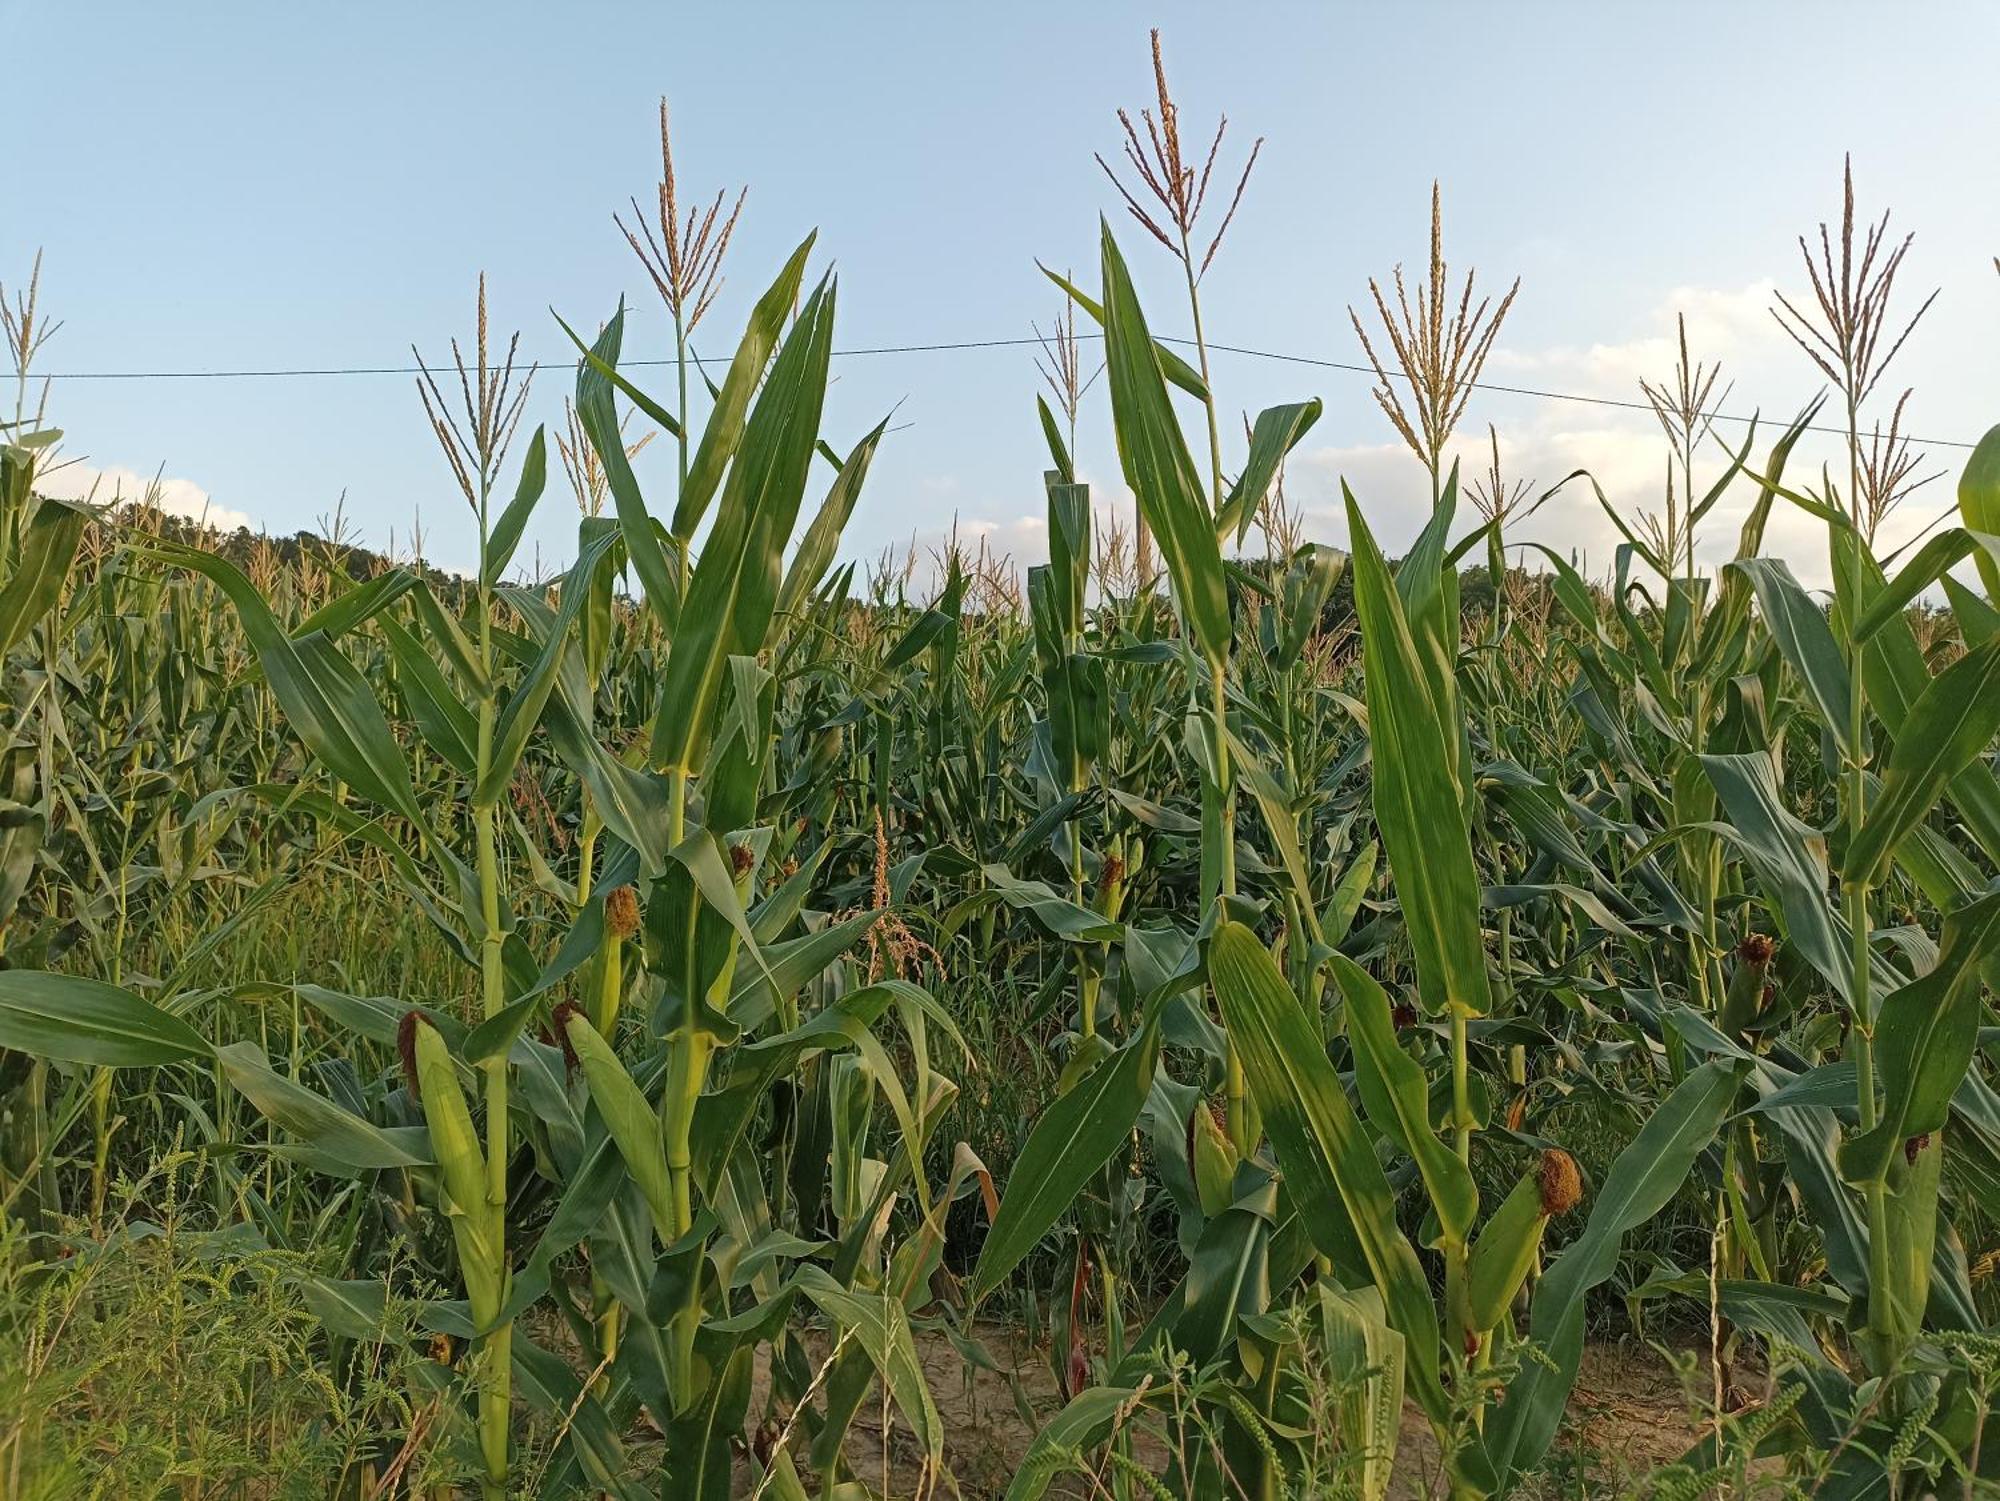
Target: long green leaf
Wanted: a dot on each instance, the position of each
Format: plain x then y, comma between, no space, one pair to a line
1156,462
41,563
1074,1137
724,431
1397,1094
1799,628
882,1328
1979,501
1418,802
506,533
1326,1156
325,700
335,1137
1276,433
734,587
70,1019
1925,1034
1950,725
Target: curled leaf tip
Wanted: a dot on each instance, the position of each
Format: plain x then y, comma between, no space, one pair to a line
1561,1185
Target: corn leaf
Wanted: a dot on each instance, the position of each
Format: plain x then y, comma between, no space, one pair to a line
1925,1034
71,1019
335,1137
724,431
1798,628
506,533
1951,724
1156,462
1074,1137
1276,433
629,1118
734,587
325,700
883,1330
41,563
1324,1152
1176,369
1418,805
1397,1096
1979,502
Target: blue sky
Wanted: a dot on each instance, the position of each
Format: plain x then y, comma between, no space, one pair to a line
249,185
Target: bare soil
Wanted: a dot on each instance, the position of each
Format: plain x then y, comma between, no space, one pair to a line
1628,1415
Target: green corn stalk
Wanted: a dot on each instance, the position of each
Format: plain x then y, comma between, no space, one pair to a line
1162,476
706,937
38,542
1909,1039
478,1223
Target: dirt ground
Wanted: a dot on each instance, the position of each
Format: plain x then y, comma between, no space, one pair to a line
1628,1415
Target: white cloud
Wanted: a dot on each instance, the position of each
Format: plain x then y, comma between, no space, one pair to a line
1726,325
174,495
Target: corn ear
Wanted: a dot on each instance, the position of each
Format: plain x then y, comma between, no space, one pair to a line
461,1170
1214,1160
627,1116
1503,1252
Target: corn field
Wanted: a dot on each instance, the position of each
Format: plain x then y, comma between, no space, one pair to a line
660,1030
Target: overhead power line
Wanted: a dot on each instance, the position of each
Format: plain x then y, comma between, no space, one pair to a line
308,372
1495,387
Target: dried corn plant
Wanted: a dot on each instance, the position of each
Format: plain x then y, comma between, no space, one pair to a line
36,448
1060,364
1061,367
1494,495
1501,500
1438,349
886,579
1846,329
27,331
1114,566
418,538
992,582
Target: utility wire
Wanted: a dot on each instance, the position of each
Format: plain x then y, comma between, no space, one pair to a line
284,374
1495,387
